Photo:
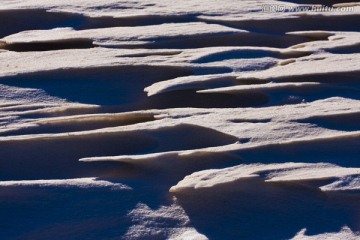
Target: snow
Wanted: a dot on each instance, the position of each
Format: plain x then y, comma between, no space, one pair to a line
178,120
80,183
122,35
277,173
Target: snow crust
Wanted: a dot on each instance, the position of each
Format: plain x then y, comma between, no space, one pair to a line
179,120
80,183
288,172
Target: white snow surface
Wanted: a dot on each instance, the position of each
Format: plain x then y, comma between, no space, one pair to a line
79,182
288,172
182,120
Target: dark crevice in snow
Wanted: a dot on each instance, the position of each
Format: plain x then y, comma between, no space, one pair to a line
342,151
239,120
329,77
101,85
233,39
14,21
299,23
49,46
86,123
346,49
248,54
306,94
57,157
189,98
340,122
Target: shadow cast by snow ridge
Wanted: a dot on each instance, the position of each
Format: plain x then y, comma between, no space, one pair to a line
102,212
254,209
102,85
342,151
58,155
14,21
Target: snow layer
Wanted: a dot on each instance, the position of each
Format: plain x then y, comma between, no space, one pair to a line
122,35
80,182
179,120
278,173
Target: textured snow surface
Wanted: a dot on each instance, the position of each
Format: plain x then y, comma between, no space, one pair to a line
183,120
287,172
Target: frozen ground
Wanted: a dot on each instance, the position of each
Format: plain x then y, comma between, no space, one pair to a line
183,120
